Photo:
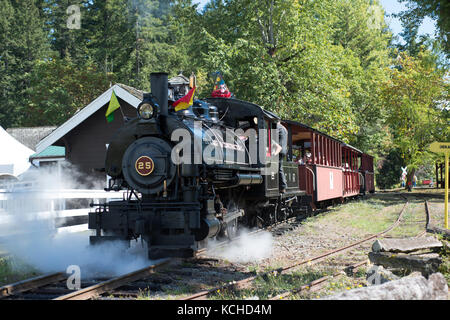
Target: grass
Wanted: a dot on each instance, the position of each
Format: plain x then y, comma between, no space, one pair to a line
444,268
13,270
360,216
273,284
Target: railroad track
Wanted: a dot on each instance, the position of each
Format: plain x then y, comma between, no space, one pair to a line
54,287
318,283
234,285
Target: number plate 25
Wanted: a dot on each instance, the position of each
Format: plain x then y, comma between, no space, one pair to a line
144,165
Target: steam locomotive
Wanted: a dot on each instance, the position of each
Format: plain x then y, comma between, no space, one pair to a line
200,173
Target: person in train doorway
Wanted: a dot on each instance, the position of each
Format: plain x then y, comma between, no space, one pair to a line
280,149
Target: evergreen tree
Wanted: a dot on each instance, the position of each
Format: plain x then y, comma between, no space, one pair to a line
7,64
67,42
24,43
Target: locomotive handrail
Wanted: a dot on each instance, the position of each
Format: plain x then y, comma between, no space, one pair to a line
314,177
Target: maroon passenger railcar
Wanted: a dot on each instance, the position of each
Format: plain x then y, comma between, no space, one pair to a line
328,168
319,162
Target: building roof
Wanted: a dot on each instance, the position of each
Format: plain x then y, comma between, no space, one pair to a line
129,94
14,155
30,136
179,79
50,152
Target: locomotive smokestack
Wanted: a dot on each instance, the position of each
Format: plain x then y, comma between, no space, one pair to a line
159,87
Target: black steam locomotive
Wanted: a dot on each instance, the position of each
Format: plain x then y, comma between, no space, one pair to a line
194,174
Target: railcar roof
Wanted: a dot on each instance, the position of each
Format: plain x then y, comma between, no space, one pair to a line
236,107
296,123
351,147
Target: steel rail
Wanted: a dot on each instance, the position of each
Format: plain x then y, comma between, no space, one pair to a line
352,268
317,282
30,284
105,286
203,294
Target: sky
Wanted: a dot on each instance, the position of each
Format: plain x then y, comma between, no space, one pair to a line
390,7
393,6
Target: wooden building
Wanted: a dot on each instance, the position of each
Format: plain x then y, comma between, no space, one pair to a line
85,135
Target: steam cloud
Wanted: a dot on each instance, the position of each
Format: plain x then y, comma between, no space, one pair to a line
26,234
248,248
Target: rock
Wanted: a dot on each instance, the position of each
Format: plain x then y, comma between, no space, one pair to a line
378,275
425,263
408,288
405,245
444,232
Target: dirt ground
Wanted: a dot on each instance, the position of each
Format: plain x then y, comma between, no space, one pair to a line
338,226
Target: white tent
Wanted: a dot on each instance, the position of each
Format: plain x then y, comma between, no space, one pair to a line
13,155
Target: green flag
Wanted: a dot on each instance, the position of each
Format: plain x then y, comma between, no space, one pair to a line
113,106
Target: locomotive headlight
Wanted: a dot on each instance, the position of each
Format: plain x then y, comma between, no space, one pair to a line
146,111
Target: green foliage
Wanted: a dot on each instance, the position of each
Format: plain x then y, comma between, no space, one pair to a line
329,64
416,96
439,10
22,43
391,170
59,88
306,60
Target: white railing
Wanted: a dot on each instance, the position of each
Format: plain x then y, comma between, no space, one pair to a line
28,204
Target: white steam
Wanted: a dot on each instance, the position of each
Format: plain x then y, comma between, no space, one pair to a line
27,229
247,248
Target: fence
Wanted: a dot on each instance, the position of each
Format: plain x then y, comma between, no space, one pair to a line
61,210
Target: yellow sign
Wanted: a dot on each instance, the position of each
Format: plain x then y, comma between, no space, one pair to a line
443,147
440,147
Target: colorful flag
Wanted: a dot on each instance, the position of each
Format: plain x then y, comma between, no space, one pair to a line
186,101
220,88
113,106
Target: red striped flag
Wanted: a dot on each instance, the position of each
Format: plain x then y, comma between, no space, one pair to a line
186,101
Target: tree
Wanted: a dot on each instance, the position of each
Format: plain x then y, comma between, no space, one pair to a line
63,40
417,100
438,10
157,46
22,43
319,62
7,63
112,35
59,88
